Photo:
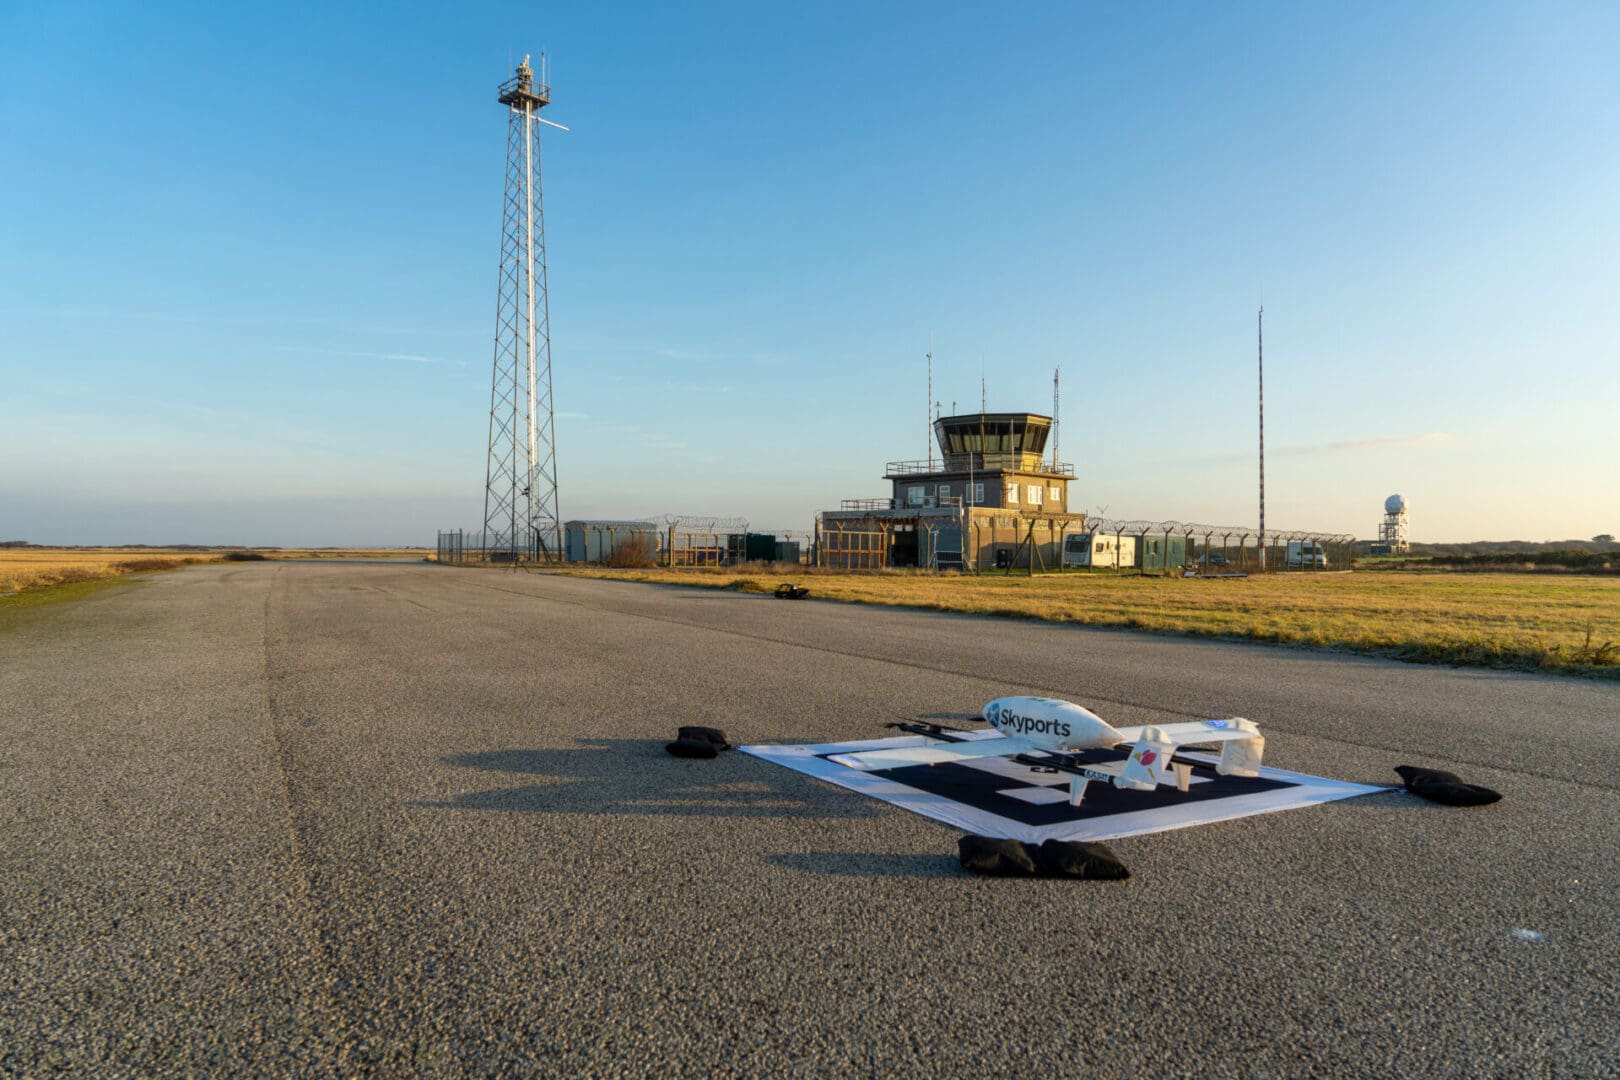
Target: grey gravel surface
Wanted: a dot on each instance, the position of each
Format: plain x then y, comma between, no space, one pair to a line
339,819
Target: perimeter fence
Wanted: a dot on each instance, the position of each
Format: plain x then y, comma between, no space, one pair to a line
1214,549
672,540
1021,544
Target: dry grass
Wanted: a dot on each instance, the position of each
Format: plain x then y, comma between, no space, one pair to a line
35,568
1504,620
635,551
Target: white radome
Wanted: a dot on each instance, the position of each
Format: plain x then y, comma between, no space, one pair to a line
1395,504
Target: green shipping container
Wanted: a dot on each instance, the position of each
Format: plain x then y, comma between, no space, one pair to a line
760,547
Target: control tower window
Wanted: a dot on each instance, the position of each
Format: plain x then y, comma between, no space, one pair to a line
1012,494
914,495
1034,494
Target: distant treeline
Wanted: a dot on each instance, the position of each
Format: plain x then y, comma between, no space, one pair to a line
1569,560
1518,547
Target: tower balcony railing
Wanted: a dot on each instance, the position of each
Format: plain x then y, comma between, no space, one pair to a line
1003,462
927,502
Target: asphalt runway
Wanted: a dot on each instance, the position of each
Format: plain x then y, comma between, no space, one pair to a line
327,818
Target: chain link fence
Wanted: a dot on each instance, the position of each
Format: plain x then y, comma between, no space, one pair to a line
1215,549
1008,542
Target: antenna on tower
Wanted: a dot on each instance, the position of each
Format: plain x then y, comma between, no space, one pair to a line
1055,418
520,480
930,403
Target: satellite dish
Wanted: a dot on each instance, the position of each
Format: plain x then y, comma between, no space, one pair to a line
1395,504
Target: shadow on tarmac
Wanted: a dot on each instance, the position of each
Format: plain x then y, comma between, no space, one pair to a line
636,776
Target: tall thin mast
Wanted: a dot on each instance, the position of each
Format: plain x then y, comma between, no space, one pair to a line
930,410
1054,419
528,292
1261,330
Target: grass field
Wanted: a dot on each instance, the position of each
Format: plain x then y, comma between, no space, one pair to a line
35,568
1563,623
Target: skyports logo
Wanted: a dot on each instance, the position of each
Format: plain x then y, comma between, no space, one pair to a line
1007,720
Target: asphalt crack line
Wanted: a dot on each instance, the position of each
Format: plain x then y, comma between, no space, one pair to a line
341,1035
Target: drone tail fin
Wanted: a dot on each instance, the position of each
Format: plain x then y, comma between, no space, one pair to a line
1241,757
1147,761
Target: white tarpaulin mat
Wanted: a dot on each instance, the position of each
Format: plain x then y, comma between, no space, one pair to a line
1000,797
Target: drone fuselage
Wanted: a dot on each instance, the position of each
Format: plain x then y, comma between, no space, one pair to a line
1060,727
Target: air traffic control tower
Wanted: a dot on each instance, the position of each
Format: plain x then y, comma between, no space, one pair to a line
991,499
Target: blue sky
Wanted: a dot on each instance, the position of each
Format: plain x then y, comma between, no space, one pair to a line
248,255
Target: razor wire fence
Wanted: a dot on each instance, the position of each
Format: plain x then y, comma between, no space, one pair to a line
1031,544
1215,549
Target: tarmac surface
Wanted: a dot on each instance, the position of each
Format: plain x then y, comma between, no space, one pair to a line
328,818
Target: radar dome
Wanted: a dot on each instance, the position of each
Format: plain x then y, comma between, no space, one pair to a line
1395,504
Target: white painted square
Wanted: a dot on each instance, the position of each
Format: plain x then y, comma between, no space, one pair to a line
1040,796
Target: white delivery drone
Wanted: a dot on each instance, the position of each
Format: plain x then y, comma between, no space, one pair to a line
1050,734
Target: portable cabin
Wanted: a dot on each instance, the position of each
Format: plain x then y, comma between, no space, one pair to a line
1161,552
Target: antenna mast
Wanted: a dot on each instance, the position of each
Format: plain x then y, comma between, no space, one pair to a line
1261,329
520,480
930,409
1055,418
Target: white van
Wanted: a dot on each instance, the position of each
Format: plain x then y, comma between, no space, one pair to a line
1306,553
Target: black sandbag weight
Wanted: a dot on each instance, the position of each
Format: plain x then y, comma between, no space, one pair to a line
1445,788
1056,858
698,742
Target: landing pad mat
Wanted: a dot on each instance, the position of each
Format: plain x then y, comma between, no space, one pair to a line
1000,797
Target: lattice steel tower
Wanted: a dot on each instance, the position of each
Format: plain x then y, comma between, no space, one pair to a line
520,488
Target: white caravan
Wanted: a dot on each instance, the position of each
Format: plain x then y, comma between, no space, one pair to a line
1101,550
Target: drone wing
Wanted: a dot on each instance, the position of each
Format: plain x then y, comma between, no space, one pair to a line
939,753
1151,755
